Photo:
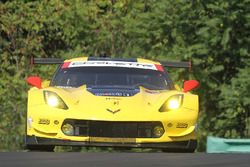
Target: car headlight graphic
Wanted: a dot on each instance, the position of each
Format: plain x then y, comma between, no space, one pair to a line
173,103
53,100
68,129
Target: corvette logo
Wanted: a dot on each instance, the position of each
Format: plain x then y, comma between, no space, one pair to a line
113,111
110,64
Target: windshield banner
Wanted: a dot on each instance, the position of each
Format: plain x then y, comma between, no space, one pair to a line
110,64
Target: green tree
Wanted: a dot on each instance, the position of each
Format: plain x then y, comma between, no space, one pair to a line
213,34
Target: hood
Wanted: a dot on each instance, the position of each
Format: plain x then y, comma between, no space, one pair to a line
121,104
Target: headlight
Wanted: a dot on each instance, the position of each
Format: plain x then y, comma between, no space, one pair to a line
158,131
53,100
173,103
68,129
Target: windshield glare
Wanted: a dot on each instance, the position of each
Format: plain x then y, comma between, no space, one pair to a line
111,77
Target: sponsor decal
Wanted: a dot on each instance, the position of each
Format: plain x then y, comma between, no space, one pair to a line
112,64
112,98
64,87
112,140
44,121
112,94
181,125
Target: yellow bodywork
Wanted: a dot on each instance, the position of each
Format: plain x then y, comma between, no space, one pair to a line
45,121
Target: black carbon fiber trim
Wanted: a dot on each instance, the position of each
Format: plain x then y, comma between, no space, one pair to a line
113,129
189,144
45,61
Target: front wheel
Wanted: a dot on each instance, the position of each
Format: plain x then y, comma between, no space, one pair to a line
43,148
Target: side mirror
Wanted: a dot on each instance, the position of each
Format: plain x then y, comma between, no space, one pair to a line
190,85
35,81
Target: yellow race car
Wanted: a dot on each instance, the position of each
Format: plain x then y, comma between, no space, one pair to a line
111,102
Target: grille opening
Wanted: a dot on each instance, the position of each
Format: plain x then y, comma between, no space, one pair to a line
113,129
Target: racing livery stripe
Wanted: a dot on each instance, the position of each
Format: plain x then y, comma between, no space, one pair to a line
159,67
112,64
66,64
112,59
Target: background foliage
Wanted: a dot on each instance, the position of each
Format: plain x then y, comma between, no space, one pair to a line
215,35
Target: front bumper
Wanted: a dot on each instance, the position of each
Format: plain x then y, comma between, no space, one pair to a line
33,140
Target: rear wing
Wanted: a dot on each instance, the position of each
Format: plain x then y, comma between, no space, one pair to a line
45,61
177,64
187,64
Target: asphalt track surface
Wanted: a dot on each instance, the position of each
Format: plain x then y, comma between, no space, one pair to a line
80,159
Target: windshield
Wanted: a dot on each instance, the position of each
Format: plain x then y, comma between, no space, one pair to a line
111,77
